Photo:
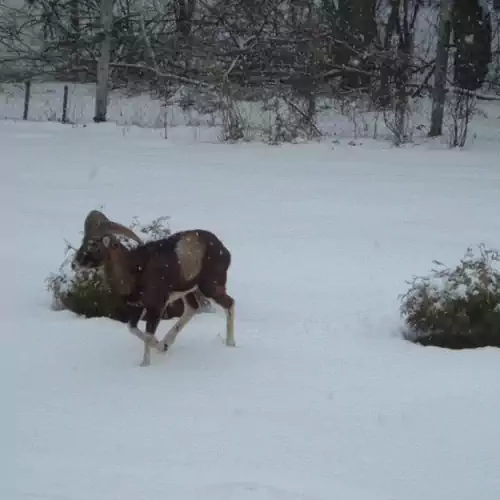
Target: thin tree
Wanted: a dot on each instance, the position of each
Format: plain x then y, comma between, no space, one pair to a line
442,51
101,98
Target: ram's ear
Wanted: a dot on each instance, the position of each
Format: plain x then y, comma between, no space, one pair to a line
106,241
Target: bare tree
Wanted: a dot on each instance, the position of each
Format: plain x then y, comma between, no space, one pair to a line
101,98
441,70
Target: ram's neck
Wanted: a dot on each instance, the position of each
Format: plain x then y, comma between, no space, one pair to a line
120,278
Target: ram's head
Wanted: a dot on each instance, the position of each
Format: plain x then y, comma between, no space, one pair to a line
99,235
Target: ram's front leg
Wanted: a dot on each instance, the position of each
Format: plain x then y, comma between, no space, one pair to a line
153,317
135,314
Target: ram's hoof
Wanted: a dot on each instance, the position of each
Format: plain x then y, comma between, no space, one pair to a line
162,347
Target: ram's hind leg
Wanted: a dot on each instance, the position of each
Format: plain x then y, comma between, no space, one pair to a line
217,292
227,302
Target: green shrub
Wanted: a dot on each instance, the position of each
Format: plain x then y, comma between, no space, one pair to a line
85,291
456,308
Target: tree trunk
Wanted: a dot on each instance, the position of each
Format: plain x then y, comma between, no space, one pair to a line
439,91
101,98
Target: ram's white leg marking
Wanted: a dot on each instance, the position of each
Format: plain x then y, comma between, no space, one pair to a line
138,333
142,336
134,330
170,337
187,315
230,327
146,357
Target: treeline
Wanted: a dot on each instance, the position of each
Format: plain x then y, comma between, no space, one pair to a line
225,50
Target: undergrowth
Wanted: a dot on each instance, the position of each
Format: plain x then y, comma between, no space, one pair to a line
456,307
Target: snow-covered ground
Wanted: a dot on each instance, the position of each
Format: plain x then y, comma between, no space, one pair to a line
321,399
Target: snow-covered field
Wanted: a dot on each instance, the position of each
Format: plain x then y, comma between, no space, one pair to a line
321,399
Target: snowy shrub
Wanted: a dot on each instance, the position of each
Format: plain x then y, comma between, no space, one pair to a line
233,123
85,291
456,308
462,107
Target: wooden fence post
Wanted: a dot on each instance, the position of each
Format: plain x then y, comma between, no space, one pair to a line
27,98
64,118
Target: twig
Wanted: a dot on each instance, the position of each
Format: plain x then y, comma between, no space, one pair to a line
161,74
303,115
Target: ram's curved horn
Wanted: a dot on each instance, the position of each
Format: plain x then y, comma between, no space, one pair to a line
92,222
97,225
111,227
